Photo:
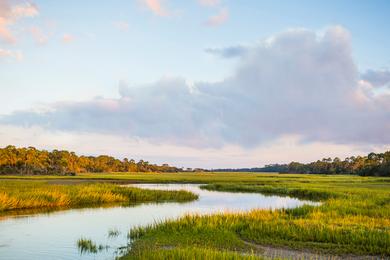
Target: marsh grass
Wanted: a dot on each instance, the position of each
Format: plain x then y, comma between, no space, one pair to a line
353,218
21,195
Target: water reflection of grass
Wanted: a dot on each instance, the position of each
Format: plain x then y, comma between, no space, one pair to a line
112,233
22,195
85,245
88,246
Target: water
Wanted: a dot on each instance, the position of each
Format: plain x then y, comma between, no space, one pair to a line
54,235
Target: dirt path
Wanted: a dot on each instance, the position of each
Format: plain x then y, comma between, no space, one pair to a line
287,253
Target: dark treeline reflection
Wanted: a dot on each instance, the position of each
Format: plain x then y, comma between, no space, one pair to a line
33,161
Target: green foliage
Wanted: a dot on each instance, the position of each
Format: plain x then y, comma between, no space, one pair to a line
374,164
30,161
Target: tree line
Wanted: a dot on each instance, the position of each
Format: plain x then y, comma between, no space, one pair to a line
32,161
373,164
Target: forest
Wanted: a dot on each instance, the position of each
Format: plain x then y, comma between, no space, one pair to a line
31,161
373,164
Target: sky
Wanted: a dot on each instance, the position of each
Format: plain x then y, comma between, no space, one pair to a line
196,83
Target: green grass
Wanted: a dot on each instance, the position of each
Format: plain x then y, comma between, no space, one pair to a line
353,218
21,195
205,177
185,177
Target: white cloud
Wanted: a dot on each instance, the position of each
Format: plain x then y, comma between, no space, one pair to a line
296,83
209,3
218,19
122,26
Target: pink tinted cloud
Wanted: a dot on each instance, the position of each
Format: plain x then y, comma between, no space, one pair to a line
24,10
67,38
156,6
11,54
219,18
5,33
10,14
38,35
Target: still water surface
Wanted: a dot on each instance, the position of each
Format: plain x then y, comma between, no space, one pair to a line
54,235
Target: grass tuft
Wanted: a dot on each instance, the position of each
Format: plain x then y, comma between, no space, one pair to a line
87,246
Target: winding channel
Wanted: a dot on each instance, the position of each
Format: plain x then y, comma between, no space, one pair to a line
54,235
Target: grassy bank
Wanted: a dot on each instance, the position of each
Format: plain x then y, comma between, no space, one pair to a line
182,177
21,195
204,177
191,253
354,218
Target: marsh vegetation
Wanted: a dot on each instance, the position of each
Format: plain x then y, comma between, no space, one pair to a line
18,195
353,218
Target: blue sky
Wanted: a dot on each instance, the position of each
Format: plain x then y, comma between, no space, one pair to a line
72,53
